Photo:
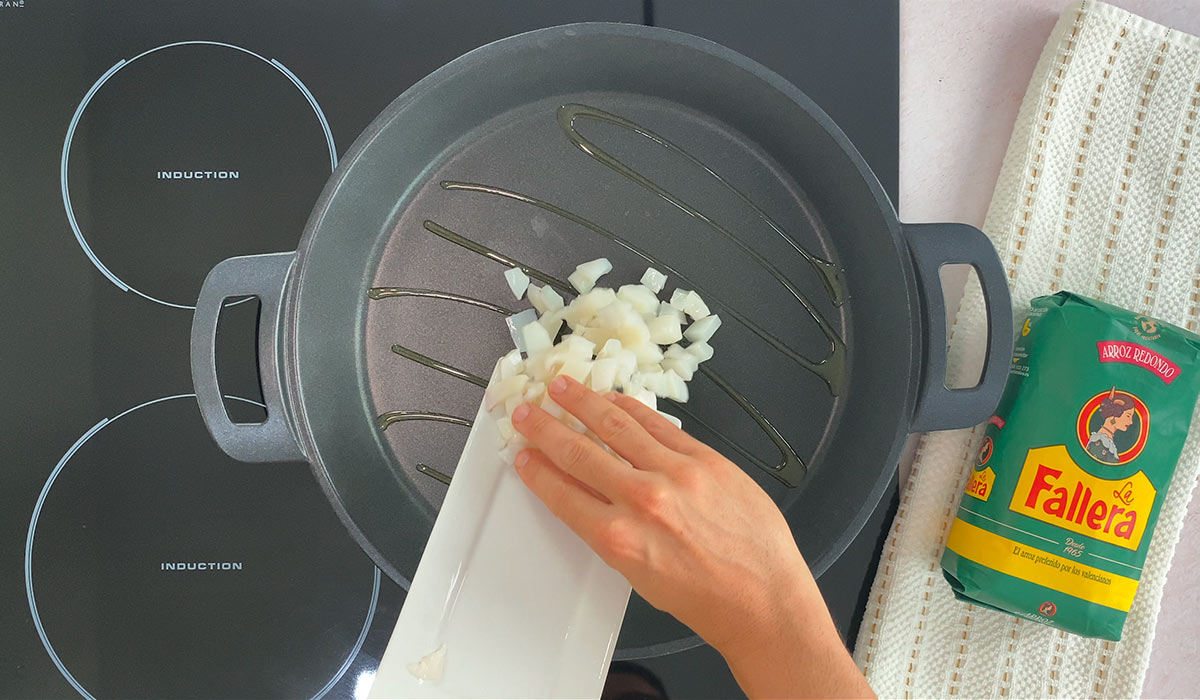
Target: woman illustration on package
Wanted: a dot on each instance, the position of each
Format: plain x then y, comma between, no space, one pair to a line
1116,412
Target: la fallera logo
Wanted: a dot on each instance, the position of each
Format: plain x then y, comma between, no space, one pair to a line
1113,427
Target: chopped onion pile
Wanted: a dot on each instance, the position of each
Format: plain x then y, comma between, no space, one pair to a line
625,340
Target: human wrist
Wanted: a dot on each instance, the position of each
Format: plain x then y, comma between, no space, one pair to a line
790,614
789,647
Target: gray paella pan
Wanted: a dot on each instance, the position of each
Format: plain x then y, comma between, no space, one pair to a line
649,147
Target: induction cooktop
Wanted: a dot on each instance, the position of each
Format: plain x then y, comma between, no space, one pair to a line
140,144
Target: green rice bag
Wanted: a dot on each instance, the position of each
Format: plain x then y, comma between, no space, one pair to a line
1057,515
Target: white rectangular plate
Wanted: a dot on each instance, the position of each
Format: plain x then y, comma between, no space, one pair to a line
523,606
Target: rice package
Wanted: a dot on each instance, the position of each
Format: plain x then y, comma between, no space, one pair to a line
1059,510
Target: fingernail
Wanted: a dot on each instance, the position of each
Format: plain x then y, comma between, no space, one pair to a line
611,396
521,413
522,459
559,385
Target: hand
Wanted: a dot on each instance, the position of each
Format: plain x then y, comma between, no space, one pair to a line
693,534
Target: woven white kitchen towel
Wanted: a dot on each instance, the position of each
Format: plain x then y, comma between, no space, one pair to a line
1099,194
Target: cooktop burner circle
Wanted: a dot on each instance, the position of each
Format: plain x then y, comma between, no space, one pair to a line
195,151
149,549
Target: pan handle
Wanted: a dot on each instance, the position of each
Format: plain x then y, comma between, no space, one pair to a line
265,277
931,246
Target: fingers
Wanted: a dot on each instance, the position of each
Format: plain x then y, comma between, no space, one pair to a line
569,499
575,454
615,427
661,429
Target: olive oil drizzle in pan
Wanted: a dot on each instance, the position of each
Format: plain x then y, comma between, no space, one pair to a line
831,368
390,292
791,469
391,417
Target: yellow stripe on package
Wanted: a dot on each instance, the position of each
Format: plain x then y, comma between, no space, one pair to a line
1059,510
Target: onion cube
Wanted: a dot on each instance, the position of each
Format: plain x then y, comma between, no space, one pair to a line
577,369
577,315
604,375
552,298
647,397
651,380
518,281
694,306
537,339
498,392
648,354
639,297
664,330
547,363
702,330
666,310
626,365
533,392
614,315
616,309
674,387
598,336
680,367
537,298
678,354
510,364
586,306
516,323
552,323
634,335
578,346
702,351
505,426
611,348
654,280
585,275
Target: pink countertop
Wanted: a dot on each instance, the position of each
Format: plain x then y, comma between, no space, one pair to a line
964,66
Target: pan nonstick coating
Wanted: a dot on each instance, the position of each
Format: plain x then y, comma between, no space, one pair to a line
490,122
